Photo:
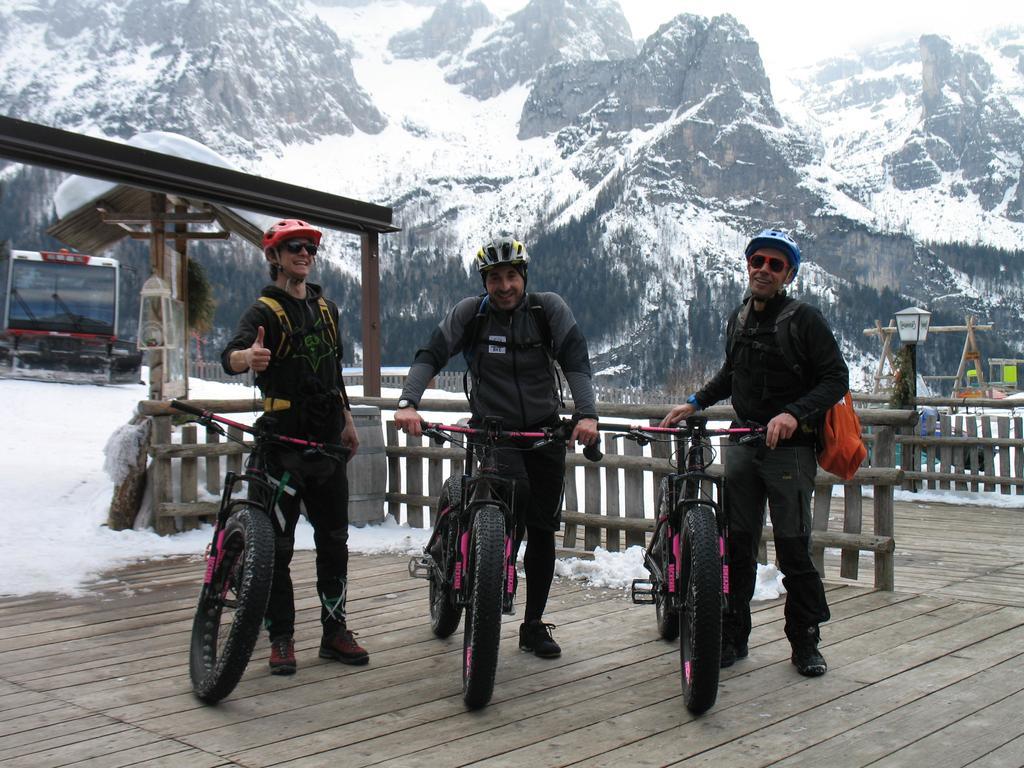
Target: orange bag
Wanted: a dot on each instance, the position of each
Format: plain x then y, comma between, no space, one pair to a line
842,449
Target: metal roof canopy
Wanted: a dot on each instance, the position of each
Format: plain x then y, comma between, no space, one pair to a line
61,150
72,152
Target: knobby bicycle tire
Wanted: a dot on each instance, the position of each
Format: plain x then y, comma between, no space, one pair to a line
666,616
483,615
444,613
238,591
700,621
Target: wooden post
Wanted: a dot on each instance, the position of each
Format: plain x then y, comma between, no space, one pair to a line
611,499
371,313
592,500
212,463
189,475
946,462
853,513
930,451
234,460
435,478
162,476
394,473
414,483
571,505
971,451
634,485
157,358
987,451
885,453
181,246
1003,427
1018,460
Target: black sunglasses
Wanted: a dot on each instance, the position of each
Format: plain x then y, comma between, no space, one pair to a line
775,264
296,246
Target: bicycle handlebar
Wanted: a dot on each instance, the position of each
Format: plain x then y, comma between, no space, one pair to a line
543,437
696,428
206,417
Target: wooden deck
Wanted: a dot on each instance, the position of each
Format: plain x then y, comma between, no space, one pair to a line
932,674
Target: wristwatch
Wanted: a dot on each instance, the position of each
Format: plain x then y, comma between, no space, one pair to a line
405,402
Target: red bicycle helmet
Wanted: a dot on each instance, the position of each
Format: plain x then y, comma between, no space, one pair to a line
286,229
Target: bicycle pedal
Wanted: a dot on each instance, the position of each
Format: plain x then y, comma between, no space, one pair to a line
420,567
642,592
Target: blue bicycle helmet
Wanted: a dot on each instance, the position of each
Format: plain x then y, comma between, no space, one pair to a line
780,241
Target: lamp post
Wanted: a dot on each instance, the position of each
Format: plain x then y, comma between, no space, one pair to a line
912,325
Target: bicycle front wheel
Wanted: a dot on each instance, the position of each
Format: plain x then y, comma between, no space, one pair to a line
700,621
483,615
232,604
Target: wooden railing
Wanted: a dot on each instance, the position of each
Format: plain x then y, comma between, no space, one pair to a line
969,452
608,504
614,508
185,476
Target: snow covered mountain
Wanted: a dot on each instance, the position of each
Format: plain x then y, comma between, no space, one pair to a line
635,172
235,75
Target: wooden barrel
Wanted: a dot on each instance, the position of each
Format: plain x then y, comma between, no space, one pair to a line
367,472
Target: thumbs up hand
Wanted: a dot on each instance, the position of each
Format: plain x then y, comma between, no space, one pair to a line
257,356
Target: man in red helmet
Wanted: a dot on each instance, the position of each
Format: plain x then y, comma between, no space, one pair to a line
784,369
289,339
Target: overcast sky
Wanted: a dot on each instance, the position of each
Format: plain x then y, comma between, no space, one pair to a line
800,32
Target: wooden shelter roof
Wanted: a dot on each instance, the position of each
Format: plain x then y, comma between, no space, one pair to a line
86,229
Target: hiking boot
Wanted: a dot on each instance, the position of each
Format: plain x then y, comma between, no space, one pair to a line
342,646
806,657
732,652
282,656
536,636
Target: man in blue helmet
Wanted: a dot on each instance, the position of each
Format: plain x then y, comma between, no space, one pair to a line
511,340
783,369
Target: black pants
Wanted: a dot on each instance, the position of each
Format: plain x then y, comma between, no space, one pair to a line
322,488
540,476
784,477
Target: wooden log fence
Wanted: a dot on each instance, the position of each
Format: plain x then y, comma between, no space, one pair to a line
609,504
614,508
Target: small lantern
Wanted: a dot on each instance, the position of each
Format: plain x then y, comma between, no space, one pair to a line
912,324
155,323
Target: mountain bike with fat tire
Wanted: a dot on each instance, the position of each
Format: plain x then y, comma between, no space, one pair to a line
687,557
239,560
470,558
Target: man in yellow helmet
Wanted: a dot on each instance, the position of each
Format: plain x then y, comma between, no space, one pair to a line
511,341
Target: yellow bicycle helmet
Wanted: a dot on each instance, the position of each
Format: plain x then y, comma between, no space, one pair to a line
501,250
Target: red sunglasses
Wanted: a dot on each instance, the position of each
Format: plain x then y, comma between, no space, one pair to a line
775,264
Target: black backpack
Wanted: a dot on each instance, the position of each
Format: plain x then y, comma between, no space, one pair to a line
783,332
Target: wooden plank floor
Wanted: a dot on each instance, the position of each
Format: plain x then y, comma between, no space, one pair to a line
932,674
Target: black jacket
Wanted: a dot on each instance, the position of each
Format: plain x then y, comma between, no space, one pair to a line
512,375
762,383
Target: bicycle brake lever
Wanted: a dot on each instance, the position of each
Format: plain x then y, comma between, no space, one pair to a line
753,437
439,438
